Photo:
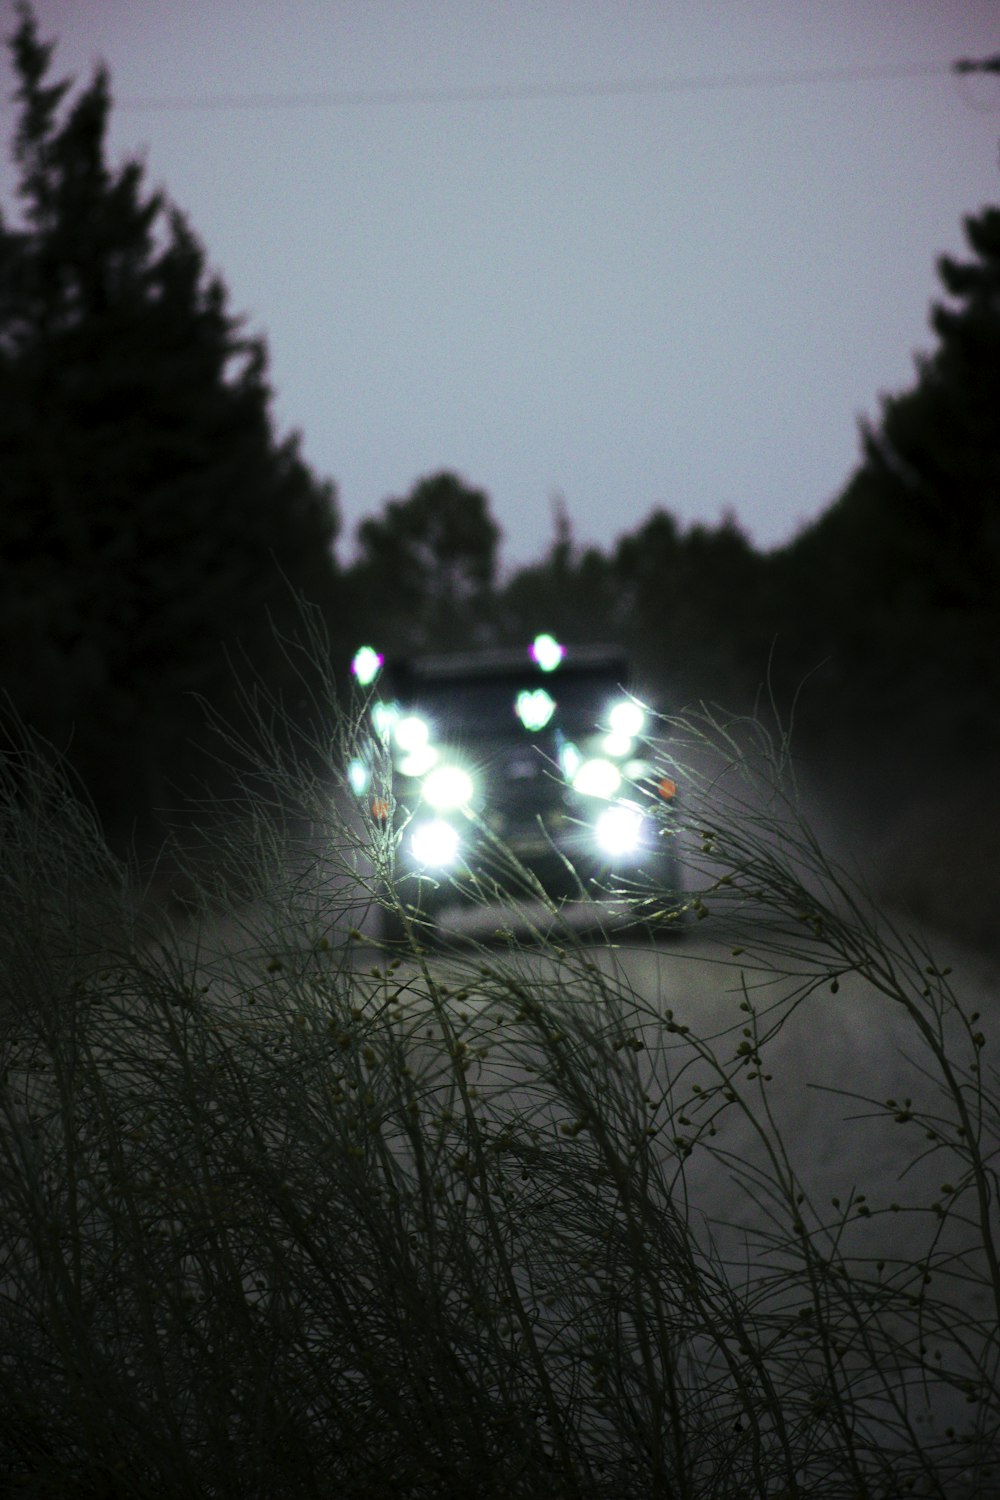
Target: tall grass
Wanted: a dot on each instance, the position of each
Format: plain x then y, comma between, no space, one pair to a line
288,1211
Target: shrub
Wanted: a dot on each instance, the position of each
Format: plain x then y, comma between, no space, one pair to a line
288,1210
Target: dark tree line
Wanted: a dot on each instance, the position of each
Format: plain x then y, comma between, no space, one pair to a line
898,584
156,535
150,522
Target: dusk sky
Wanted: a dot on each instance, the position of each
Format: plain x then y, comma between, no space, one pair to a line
636,254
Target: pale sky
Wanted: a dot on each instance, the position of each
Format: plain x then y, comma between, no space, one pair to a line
635,253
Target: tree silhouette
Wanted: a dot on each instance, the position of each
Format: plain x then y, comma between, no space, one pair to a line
898,585
150,522
571,591
426,569
688,608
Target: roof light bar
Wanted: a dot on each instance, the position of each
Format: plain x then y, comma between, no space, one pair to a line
546,652
367,664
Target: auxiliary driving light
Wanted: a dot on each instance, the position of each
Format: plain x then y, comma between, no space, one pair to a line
448,787
618,745
412,736
435,844
627,718
412,732
597,778
418,762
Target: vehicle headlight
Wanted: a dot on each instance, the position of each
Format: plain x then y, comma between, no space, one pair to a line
596,778
435,844
448,787
413,737
619,830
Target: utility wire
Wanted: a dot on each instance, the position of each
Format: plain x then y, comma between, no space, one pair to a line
517,93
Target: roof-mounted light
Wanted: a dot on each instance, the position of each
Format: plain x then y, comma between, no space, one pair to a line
367,664
546,652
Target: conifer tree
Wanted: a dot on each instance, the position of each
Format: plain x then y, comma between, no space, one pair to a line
151,524
570,591
898,585
426,569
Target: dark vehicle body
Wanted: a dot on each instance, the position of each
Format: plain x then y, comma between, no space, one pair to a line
516,784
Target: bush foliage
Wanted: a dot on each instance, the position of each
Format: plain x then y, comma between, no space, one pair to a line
288,1210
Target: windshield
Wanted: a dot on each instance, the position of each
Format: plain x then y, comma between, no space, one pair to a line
572,702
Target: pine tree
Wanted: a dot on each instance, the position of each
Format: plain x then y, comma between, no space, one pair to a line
689,605
570,591
898,585
935,456
427,566
150,522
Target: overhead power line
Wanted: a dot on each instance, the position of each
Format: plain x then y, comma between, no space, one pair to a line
515,93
